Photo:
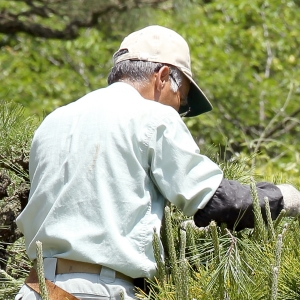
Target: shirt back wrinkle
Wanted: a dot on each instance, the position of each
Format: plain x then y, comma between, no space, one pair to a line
98,171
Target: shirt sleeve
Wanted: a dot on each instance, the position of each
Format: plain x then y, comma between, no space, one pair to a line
232,204
183,176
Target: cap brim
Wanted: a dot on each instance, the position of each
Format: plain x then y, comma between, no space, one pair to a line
197,101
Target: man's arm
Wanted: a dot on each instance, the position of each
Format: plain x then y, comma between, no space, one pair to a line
195,184
232,204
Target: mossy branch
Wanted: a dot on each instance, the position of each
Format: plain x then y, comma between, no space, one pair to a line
276,267
191,246
279,218
161,268
40,271
271,229
171,246
260,232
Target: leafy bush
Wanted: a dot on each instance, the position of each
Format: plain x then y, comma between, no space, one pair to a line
206,263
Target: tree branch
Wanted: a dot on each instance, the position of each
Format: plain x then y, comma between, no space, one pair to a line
281,125
12,24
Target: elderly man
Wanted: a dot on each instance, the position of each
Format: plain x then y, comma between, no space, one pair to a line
102,167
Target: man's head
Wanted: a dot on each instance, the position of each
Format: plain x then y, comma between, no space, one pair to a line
159,57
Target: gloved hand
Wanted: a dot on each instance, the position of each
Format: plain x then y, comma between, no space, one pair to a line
291,199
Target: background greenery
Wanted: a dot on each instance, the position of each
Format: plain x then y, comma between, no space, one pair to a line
245,56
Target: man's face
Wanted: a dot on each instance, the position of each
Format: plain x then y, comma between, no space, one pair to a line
175,99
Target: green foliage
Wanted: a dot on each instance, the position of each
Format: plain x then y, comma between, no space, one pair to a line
43,74
235,265
259,263
56,72
244,56
15,138
208,263
13,277
16,132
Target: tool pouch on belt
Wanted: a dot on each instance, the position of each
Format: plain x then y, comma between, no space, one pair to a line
55,292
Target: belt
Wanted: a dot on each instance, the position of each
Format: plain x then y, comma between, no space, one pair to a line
66,266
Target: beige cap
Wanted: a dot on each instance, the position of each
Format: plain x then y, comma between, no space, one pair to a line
159,44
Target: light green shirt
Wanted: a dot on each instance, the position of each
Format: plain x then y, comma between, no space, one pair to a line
101,169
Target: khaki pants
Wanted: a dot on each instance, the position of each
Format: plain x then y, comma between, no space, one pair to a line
84,286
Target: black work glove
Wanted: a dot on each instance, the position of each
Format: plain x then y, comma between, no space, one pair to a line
232,204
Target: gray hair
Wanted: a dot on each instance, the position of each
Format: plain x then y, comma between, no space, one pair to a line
138,72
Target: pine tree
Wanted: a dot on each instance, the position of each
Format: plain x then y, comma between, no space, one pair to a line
15,137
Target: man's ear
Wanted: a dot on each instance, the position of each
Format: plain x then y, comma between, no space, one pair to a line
162,76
